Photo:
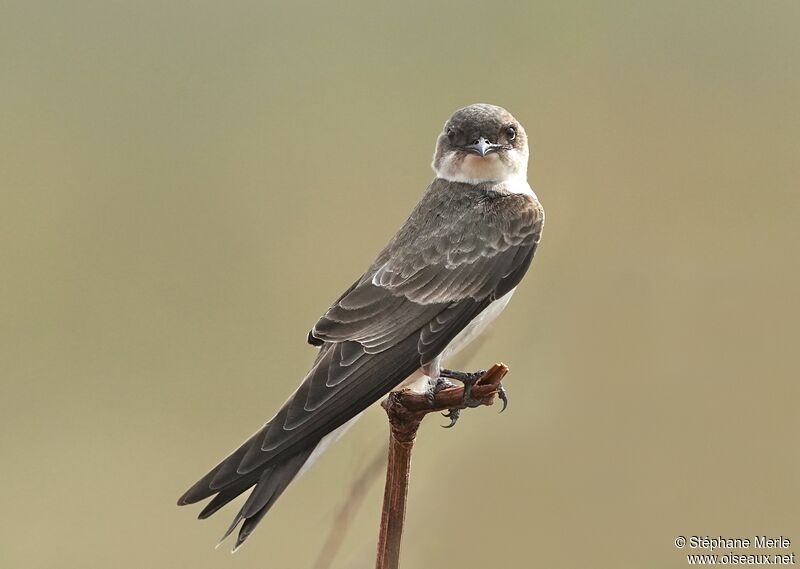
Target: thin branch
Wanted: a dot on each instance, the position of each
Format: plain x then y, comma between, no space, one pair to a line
406,410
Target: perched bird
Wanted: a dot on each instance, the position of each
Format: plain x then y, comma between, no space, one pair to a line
449,271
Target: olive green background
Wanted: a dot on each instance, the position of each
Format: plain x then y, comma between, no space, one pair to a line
186,186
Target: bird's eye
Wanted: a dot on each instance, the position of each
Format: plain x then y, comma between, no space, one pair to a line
511,133
451,134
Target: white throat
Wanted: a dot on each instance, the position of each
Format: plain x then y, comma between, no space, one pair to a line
474,169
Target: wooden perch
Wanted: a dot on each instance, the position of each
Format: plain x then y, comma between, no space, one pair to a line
406,410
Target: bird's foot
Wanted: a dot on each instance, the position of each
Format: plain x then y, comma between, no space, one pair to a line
441,384
502,395
469,379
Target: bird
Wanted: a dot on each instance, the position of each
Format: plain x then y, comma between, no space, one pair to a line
451,268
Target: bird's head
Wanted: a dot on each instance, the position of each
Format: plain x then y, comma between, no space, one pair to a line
481,143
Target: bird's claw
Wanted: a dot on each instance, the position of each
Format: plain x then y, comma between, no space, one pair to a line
502,395
453,415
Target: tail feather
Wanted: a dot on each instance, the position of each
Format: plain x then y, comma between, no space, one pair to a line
269,486
225,496
261,493
221,476
269,482
236,521
271,458
266,492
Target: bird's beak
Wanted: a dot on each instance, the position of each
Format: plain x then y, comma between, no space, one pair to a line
482,147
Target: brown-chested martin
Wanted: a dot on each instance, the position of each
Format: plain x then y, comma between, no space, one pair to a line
449,271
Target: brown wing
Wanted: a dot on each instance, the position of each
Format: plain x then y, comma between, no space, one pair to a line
460,243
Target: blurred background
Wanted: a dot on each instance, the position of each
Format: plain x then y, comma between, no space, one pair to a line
187,186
